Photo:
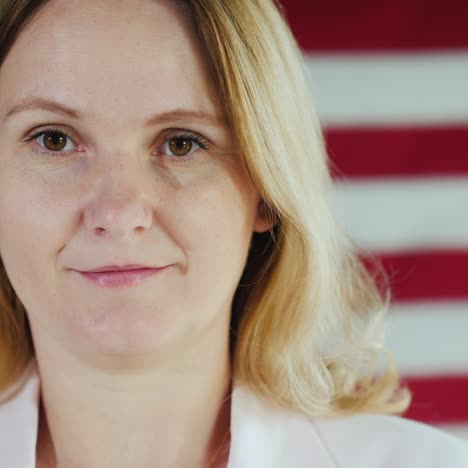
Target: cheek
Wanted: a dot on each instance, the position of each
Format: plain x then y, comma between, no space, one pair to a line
215,227
213,234
29,234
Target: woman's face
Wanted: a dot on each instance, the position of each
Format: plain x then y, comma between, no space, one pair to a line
140,169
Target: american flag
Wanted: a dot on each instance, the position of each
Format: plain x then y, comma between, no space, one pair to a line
389,79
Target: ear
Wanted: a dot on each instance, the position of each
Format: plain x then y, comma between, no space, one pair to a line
264,219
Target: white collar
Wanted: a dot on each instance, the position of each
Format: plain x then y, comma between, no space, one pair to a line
262,436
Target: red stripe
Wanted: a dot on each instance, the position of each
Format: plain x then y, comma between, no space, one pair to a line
405,151
426,276
438,399
383,25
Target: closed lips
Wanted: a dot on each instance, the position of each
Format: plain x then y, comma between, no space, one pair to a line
118,268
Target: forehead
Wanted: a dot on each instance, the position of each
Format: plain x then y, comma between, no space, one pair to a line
111,54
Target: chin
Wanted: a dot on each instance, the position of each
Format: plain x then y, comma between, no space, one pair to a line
126,332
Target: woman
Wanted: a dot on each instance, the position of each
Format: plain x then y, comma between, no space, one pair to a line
175,291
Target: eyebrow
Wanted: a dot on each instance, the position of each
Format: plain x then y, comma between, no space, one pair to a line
41,103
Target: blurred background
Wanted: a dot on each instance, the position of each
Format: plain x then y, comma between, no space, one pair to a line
389,79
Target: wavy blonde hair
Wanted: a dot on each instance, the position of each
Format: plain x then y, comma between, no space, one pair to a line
308,318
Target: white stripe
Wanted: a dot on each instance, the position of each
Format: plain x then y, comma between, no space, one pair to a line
458,430
429,338
400,214
376,89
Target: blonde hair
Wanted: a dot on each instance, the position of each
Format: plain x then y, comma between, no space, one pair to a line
308,318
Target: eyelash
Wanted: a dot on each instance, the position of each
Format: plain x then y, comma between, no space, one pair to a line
185,135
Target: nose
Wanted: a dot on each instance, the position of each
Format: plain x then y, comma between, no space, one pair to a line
120,206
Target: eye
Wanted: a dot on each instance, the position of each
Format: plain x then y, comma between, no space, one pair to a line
52,141
181,147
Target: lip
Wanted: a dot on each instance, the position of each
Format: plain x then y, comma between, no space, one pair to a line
119,278
117,268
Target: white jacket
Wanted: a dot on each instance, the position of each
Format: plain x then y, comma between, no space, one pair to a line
265,437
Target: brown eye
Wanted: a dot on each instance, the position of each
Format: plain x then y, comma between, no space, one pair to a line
180,146
54,141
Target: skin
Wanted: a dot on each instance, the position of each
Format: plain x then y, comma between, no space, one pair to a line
129,375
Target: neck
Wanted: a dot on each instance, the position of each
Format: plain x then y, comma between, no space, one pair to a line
176,417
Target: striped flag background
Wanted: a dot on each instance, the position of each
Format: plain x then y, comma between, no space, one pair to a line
389,79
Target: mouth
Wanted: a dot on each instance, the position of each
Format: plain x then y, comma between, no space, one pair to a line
110,268
120,277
